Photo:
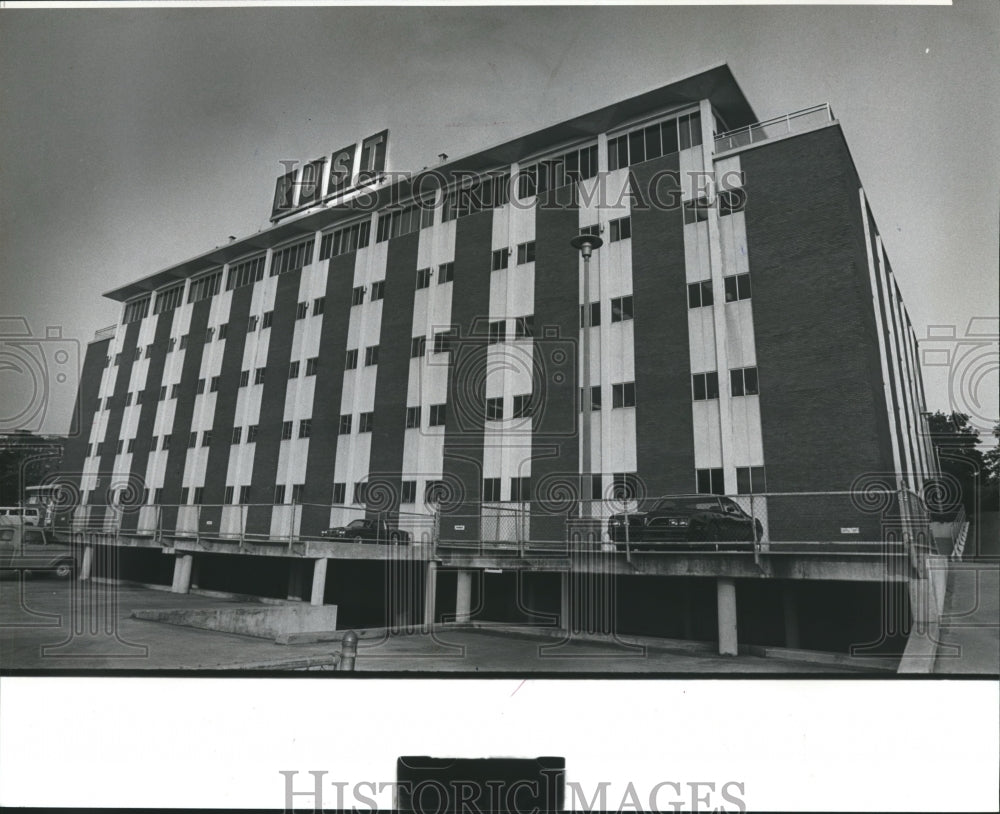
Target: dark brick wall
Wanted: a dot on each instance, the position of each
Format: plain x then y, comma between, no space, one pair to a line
822,409
327,391
385,464
664,424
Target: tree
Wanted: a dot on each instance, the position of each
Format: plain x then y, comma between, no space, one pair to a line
957,444
25,460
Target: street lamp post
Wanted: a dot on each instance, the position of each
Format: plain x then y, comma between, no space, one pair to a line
585,244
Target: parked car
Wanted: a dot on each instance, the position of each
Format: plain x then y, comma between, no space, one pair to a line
368,531
28,515
28,549
684,519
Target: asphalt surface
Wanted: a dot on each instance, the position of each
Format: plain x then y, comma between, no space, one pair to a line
51,625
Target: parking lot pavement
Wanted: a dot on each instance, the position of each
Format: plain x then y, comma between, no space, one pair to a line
51,625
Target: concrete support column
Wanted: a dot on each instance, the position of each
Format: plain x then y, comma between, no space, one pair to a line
463,597
182,573
297,580
88,562
791,614
430,594
726,598
687,611
319,581
565,618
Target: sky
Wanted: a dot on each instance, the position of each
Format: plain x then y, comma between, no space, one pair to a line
133,139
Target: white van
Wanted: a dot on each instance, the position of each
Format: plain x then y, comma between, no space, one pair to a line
28,515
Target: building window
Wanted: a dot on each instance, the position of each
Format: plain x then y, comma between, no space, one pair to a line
418,346
214,384
624,486
595,398
128,398
705,386
351,359
412,417
119,446
522,406
131,445
709,482
319,305
158,495
623,395
286,430
526,253
199,388
409,492
136,311
446,273
497,332
223,331
696,211
169,300
268,320
184,495
733,200
690,130
258,376
206,438
292,258
621,308
520,489
344,240
358,295
393,223
149,352
621,229
737,287
339,494
175,390
252,431
345,424
595,315
302,310
366,422
237,435
244,378
744,381
423,278
246,272
166,441
700,294
244,494
305,428
252,324
501,259
524,327
312,365
100,448
371,356
293,369
437,415
192,440
230,495
279,494
442,340
199,495
152,445
209,335
184,342
298,491
750,480
378,290
494,409
491,490
107,403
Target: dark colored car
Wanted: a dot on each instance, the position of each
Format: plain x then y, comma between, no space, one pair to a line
33,550
368,531
684,519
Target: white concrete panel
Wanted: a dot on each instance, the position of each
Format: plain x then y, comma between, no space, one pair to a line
741,348
707,434
701,339
697,259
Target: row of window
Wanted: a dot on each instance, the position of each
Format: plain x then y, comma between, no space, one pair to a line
652,141
737,287
749,480
622,395
742,382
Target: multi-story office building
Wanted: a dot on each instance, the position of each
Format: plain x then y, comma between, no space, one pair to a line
410,348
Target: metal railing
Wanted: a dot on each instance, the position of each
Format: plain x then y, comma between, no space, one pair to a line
248,524
797,122
105,333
